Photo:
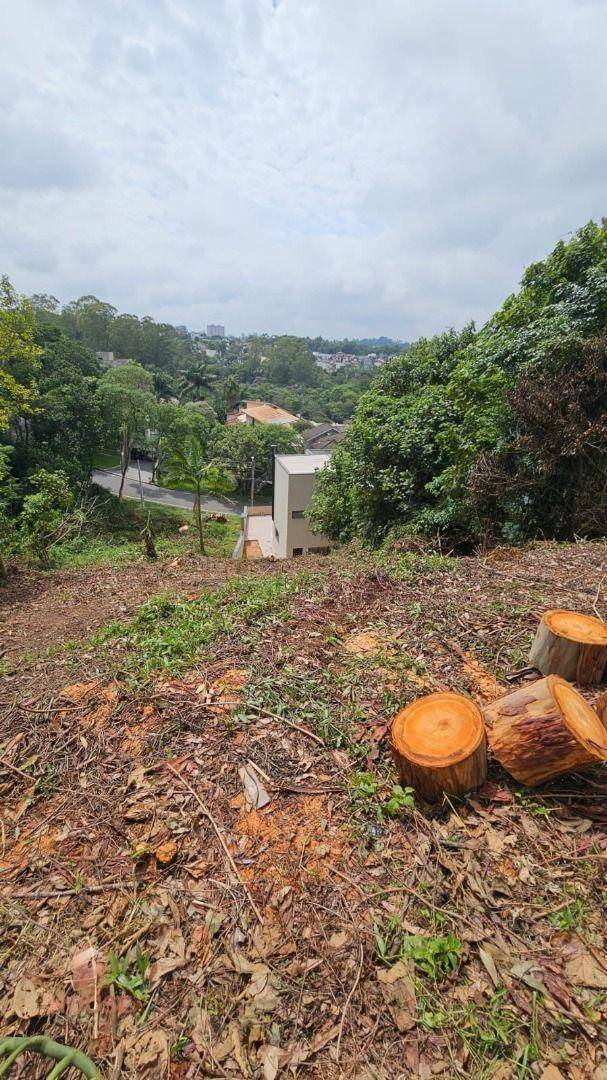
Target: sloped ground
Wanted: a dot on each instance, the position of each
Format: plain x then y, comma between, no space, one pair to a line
202,871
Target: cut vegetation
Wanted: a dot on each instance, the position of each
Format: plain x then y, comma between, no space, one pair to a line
210,865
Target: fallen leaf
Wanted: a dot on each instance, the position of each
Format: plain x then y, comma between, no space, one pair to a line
172,947
88,974
399,991
269,1057
584,969
551,1073
490,967
337,941
30,999
148,1055
256,796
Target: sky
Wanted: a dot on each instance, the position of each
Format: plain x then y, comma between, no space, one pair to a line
337,167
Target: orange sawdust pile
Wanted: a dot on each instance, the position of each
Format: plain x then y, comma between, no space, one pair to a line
290,843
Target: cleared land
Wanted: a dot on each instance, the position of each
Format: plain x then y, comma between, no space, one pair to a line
205,869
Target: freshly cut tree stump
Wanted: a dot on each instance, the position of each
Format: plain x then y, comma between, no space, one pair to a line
543,730
439,746
571,645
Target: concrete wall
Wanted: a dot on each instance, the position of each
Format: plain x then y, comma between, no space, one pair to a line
293,491
281,510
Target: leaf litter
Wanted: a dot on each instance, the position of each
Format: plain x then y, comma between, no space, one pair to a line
463,941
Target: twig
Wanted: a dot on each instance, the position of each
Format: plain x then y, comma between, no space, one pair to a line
225,847
20,772
348,1000
48,893
274,716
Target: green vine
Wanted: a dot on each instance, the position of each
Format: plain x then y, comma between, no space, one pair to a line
65,1056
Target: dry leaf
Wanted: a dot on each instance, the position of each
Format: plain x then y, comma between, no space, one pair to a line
551,1073
31,1000
88,973
172,947
148,1055
584,969
337,941
490,967
269,1057
399,990
256,796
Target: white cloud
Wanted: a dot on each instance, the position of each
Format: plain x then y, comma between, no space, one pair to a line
314,166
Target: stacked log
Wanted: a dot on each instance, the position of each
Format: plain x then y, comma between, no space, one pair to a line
543,730
439,746
571,645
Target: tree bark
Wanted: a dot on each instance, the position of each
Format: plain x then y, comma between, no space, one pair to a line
439,746
543,730
571,645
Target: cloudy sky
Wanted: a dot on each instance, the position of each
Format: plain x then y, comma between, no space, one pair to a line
345,167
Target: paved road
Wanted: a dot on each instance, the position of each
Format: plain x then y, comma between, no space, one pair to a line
184,500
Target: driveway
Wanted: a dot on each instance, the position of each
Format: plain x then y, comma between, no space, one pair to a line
184,500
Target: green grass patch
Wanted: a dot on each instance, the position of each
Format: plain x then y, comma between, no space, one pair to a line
106,461
112,535
170,635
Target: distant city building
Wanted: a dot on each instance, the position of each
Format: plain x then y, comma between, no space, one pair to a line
216,330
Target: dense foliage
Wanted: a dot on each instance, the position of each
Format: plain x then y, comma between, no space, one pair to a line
495,433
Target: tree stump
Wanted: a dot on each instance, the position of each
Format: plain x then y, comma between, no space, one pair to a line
571,645
543,730
439,746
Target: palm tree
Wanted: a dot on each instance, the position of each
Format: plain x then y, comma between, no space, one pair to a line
188,464
196,378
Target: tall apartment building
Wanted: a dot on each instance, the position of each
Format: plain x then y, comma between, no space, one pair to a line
216,330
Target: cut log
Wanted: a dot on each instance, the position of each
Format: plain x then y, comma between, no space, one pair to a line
543,730
439,746
571,645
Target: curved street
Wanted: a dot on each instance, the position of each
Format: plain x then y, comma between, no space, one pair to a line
184,500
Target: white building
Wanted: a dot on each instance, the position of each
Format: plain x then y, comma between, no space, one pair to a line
282,530
294,476
216,330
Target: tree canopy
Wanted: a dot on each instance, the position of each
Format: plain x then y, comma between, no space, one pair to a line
499,432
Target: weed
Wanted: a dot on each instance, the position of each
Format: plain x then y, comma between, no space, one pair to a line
129,976
571,917
364,789
437,957
535,808
169,634
179,1045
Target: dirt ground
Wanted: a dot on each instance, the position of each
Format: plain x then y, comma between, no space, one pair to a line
200,876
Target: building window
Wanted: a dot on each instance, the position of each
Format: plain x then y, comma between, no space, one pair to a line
298,513
297,551
318,551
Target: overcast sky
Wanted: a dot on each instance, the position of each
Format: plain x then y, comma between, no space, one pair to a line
344,167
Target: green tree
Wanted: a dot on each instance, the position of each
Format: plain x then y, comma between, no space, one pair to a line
47,515
238,444
126,398
195,379
189,465
289,361
19,355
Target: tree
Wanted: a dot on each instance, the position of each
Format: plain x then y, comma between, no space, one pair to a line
65,430
194,379
237,444
47,515
19,356
126,396
495,433
290,361
189,465
173,425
